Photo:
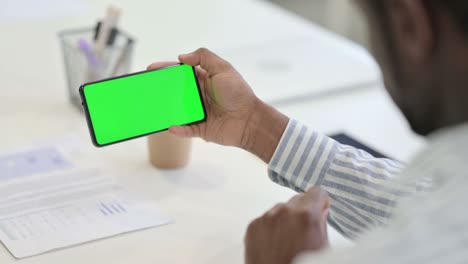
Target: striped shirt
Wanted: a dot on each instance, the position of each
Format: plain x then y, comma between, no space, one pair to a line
418,214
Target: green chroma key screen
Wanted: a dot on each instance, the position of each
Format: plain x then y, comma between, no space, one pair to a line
142,103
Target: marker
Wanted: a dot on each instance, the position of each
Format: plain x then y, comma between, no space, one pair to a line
107,24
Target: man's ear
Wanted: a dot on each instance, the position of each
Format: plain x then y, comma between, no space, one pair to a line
410,23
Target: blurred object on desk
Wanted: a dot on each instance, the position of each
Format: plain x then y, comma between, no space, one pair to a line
297,68
169,152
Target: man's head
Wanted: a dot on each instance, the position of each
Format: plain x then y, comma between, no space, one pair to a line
422,47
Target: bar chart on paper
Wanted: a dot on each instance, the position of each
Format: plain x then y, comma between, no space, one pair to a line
46,203
112,208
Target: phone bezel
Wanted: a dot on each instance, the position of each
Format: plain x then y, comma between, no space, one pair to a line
88,116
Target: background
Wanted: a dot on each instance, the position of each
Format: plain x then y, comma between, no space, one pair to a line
340,16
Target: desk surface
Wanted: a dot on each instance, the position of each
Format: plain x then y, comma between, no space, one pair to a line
212,201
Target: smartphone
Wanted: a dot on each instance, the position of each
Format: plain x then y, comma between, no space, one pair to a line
142,103
348,140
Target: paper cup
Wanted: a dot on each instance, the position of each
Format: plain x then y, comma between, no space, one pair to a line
167,151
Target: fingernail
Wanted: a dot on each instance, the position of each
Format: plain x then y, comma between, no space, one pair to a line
174,131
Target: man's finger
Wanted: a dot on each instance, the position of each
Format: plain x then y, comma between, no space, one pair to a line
296,199
201,73
209,61
185,131
273,211
159,65
317,197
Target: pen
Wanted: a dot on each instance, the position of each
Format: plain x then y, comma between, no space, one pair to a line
123,56
87,49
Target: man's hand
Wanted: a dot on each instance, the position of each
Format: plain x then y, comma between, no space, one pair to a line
289,229
235,116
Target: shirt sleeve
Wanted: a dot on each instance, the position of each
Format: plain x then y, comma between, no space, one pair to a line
361,194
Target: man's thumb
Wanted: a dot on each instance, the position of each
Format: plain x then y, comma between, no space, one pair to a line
184,131
209,61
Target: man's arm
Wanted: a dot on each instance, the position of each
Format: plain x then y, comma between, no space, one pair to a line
358,184
299,158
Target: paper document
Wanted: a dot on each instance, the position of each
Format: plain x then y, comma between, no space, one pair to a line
47,203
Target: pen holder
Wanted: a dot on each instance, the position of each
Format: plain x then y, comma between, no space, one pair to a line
84,64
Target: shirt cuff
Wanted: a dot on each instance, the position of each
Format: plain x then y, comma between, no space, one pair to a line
302,157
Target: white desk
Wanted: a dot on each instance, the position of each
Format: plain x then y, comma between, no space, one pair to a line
212,201
223,189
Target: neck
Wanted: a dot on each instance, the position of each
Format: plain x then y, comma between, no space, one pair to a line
455,109
452,76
